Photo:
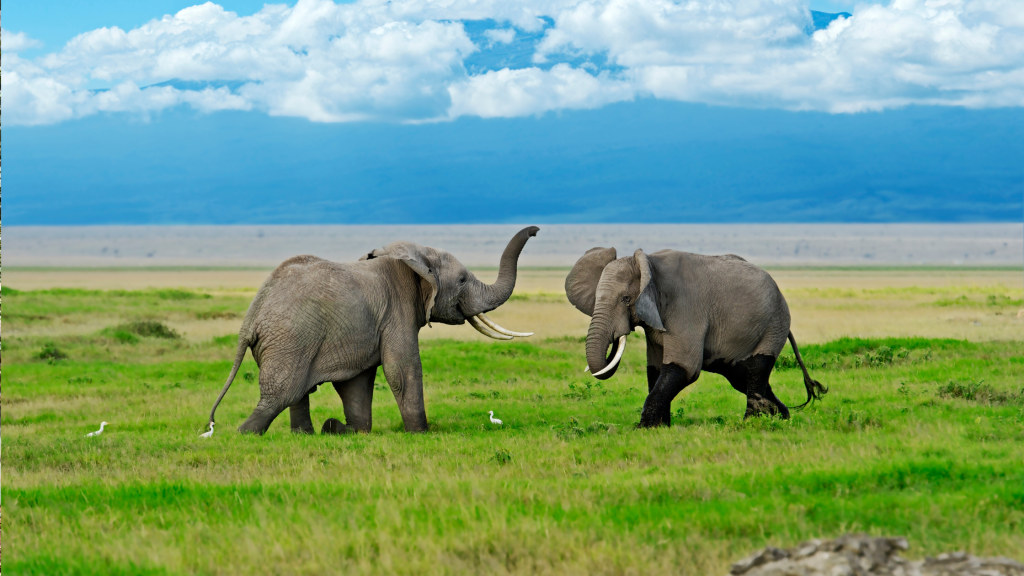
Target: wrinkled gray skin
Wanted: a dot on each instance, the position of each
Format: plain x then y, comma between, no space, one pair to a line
715,313
315,321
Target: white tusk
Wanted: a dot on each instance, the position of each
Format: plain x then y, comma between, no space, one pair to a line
587,369
618,356
490,324
483,329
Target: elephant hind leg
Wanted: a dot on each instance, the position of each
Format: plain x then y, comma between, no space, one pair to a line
357,399
302,423
282,385
267,409
751,375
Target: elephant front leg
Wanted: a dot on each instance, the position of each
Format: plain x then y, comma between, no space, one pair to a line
657,407
302,423
405,377
655,353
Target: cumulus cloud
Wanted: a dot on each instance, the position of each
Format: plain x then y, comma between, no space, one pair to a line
509,93
404,59
15,41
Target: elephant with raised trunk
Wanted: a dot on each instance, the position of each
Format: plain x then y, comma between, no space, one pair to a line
721,314
315,321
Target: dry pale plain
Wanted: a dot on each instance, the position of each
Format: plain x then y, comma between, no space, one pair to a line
825,304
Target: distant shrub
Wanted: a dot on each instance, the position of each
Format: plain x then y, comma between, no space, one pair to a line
502,456
226,340
8,291
51,354
248,376
123,336
129,332
176,294
978,392
149,329
967,390
216,315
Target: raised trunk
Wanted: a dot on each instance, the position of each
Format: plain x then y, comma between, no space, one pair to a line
598,339
480,297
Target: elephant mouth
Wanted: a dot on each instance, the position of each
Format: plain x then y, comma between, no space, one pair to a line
491,329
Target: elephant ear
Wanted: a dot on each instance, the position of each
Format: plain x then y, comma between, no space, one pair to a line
416,257
581,283
647,302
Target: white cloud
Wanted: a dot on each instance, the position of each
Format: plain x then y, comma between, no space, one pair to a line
509,93
403,59
16,41
501,36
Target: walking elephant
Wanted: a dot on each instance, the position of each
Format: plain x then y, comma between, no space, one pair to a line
314,321
715,313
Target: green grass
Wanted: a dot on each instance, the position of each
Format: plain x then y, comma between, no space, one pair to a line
917,437
568,484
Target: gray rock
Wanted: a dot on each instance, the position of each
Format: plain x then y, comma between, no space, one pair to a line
860,555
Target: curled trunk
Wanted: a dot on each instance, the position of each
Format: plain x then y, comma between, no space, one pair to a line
598,339
480,297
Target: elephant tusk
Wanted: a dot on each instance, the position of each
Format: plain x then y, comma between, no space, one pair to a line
587,369
483,329
493,326
618,356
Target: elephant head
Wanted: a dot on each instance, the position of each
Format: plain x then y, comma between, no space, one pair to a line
452,294
618,295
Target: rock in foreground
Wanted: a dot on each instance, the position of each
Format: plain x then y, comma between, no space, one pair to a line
859,555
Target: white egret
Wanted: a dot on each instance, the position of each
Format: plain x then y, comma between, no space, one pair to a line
207,434
493,419
98,432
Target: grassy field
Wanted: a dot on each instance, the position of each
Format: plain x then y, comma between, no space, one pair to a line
921,435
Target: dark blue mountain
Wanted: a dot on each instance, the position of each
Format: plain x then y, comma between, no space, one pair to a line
646,161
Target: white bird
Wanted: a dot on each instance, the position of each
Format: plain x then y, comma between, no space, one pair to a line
493,419
98,432
207,434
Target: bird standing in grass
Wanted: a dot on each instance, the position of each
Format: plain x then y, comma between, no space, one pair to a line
493,419
98,432
207,434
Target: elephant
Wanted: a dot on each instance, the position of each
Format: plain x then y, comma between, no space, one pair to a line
315,321
721,314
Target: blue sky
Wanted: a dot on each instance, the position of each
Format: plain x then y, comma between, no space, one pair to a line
555,111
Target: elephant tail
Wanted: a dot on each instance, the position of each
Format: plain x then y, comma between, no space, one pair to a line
243,345
815,390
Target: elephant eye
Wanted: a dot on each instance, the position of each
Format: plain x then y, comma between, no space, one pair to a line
462,280
625,299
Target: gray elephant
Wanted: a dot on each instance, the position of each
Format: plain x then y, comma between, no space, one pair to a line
715,313
315,321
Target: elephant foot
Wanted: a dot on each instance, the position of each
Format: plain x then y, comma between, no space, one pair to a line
758,405
334,426
652,418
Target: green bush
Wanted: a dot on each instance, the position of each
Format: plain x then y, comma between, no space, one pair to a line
51,353
148,329
176,294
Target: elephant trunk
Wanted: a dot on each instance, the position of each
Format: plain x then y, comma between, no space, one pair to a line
598,339
480,297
